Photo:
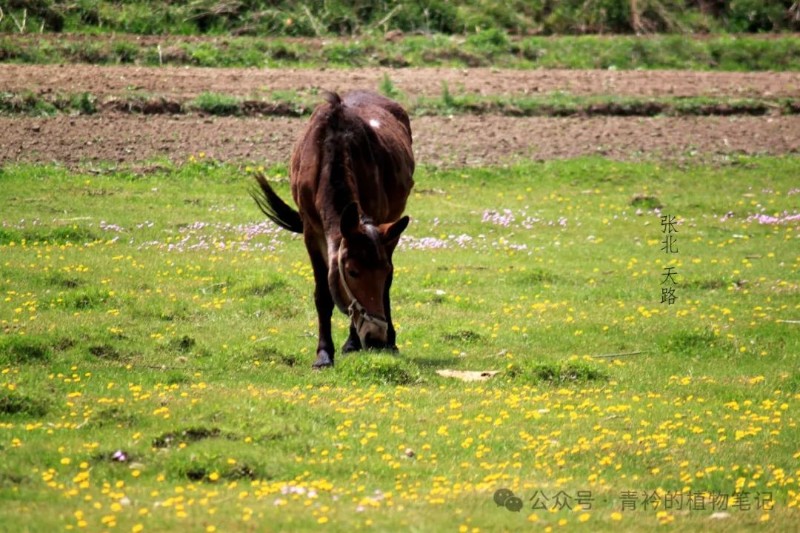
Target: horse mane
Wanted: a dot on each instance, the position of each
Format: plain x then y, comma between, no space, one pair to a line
342,131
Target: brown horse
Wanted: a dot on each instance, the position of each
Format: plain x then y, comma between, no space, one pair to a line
351,174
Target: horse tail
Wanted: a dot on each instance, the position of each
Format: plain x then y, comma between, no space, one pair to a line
275,208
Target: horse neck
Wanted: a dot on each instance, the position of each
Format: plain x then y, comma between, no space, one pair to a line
335,191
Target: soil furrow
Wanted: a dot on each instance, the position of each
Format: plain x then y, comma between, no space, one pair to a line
182,82
444,141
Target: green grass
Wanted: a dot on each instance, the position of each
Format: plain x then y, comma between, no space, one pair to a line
300,103
337,17
217,104
158,337
29,103
486,49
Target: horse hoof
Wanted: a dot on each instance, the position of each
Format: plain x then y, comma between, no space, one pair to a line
351,346
323,361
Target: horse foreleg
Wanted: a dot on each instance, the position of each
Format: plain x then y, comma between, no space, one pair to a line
391,336
324,305
353,343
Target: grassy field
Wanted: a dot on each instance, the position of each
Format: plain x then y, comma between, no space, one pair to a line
158,336
489,48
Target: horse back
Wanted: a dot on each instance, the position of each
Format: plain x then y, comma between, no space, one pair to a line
375,133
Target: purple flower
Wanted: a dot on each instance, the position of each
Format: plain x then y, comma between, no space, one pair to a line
119,456
500,219
783,218
105,226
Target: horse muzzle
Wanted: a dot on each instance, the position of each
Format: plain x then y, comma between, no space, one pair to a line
372,330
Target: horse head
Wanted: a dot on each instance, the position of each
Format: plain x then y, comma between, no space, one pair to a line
361,275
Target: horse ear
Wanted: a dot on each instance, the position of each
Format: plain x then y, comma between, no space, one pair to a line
390,233
350,220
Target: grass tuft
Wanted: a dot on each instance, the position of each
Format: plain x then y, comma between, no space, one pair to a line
560,373
24,350
16,404
388,88
378,368
216,104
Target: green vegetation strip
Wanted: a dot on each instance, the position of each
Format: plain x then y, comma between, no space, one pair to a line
157,337
301,104
487,48
337,17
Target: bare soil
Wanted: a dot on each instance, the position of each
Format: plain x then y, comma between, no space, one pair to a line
177,82
445,141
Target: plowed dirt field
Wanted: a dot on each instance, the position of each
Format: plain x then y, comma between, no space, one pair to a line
440,140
